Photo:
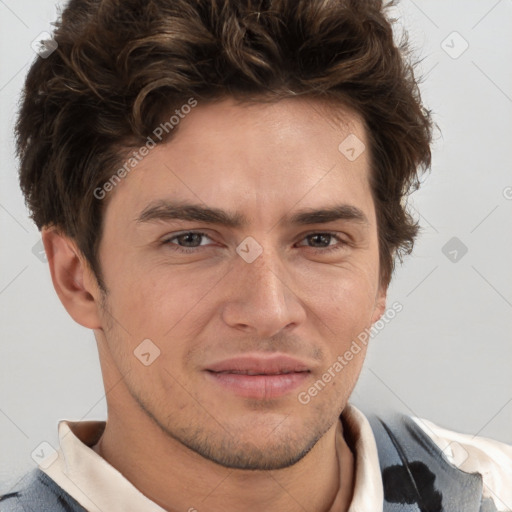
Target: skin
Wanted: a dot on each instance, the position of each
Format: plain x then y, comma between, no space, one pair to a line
191,442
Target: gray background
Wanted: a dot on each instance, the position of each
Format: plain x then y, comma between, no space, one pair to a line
446,357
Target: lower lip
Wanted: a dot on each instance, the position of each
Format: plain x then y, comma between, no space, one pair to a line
260,387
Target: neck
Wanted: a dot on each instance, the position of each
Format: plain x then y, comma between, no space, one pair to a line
176,478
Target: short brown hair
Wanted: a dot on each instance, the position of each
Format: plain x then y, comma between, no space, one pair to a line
119,65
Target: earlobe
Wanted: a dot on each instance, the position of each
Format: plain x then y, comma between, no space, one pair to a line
68,270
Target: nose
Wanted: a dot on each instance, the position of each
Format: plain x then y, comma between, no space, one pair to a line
262,299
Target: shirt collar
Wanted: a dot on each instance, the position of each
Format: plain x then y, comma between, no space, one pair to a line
98,486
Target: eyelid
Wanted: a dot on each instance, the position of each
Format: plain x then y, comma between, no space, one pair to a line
302,236
342,243
172,236
338,236
335,234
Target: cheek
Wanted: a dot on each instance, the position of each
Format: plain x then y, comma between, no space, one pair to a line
162,303
345,314
347,297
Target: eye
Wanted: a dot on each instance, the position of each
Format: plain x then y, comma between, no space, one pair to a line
188,237
325,239
189,242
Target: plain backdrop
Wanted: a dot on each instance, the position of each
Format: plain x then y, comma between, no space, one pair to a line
446,357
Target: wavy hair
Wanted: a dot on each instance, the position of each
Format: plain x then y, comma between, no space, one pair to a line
120,64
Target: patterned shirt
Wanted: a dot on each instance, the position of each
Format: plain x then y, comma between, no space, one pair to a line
77,478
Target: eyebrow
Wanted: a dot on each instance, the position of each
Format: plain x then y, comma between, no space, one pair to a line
165,210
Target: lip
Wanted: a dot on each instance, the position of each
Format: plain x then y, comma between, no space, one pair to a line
259,377
262,364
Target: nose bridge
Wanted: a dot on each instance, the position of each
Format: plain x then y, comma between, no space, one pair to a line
263,279
261,297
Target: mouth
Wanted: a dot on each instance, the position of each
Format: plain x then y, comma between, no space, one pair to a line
259,377
250,372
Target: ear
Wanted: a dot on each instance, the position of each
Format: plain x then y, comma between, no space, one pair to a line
72,278
380,303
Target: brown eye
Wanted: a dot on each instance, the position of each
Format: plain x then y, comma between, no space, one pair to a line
324,240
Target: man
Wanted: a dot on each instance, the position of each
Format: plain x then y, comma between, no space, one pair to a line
220,189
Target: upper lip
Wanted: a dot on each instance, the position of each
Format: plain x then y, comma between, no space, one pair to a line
259,365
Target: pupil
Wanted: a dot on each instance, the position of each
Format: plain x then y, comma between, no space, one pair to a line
189,235
324,237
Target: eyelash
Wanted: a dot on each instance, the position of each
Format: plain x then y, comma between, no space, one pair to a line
191,250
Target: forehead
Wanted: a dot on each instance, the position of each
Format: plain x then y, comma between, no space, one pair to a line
282,125
258,155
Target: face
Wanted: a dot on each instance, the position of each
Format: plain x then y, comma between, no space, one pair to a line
250,303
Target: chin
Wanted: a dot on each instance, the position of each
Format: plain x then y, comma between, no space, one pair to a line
253,447
251,457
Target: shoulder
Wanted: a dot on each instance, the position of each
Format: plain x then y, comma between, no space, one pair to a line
36,491
441,465
473,454
11,500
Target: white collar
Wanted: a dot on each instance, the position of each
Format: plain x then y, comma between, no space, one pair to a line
98,486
